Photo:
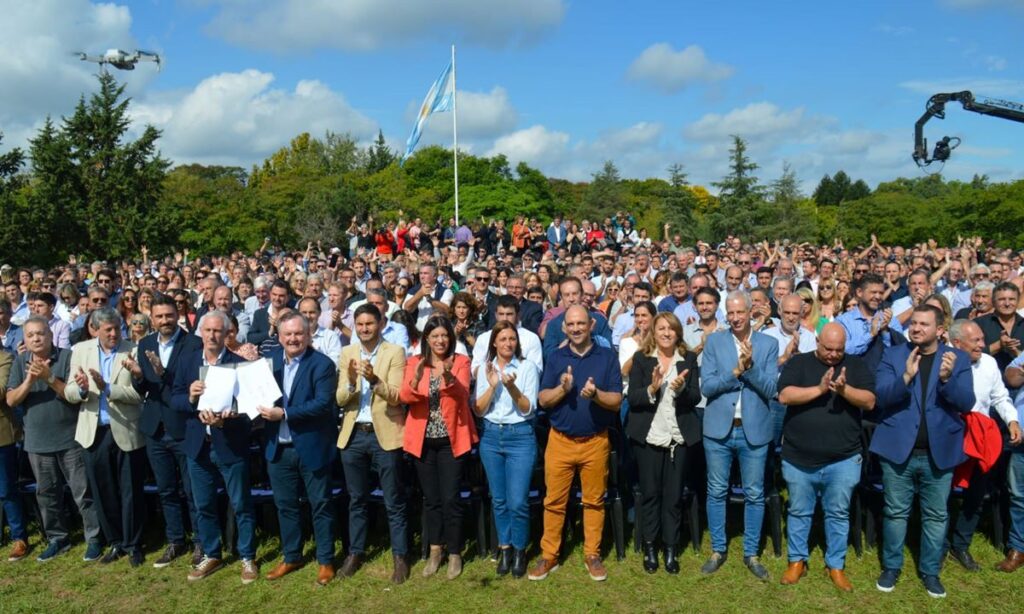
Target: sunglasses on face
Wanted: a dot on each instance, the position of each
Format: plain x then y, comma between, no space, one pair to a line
99,301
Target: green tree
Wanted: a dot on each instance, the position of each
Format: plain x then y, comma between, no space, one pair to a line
788,214
605,195
739,198
379,156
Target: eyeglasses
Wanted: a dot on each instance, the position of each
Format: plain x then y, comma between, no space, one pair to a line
744,262
47,285
138,322
861,271
129,297
483,279
981,275
98,300
104,281
809,301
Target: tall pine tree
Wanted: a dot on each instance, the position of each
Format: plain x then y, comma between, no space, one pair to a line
739,197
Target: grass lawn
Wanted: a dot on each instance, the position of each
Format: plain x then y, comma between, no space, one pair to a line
69,585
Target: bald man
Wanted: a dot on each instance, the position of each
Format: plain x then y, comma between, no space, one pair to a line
824,392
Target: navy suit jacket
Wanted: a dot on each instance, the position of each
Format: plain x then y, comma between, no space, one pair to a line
899,407
756,386
530,315
259,330
311,410
231,442
157,390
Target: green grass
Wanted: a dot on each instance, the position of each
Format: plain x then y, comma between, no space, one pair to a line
67,584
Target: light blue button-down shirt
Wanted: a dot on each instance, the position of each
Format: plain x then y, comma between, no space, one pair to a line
395,333
291,367
503,410
366,390
106,366
165,349
858,331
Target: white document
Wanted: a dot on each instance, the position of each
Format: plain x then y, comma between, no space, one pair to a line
256,387
220,389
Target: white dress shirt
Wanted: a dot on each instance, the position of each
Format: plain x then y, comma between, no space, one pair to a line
989,391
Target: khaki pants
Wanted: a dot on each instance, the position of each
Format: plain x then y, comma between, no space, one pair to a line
562,458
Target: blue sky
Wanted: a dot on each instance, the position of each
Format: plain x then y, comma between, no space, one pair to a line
561,85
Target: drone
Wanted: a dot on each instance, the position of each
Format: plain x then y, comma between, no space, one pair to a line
119,58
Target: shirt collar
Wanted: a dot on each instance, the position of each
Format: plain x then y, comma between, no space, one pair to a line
291,362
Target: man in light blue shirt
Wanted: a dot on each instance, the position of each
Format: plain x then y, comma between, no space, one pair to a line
392,332
325,341
642,292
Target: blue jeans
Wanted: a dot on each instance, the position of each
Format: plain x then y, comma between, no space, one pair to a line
899,483
778,411
508,452
360,459
288,477
170,468
9,495
719,454
206,472
1015,482
834,483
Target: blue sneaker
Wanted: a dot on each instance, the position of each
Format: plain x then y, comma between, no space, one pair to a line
933,586
93,552
887,580
55,549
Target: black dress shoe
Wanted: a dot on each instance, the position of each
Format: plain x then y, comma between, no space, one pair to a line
671,560
504,561
112,555
650,557
136,558
964,558
351,565
519,561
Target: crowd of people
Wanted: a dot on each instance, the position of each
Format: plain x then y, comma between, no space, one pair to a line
529,346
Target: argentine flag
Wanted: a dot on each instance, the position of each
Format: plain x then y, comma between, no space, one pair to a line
438,99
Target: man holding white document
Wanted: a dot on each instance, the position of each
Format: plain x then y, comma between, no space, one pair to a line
300,441
217,443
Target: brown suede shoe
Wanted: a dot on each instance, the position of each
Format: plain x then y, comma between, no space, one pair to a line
325,575
401,572
205,567
282,570
793,573
18,550
1014,560
838,577
543,567
595,568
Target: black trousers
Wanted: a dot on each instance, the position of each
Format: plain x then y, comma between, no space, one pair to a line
662,475
440,475
115,479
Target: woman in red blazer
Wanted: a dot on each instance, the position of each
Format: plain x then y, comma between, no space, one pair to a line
439,432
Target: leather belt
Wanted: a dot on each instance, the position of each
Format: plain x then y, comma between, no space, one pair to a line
366,427
737,422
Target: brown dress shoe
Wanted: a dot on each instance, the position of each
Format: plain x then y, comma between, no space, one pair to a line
595,568
351,565
543,567
1014,560
18,550
325,575
282,570
401,572
793,573
838,577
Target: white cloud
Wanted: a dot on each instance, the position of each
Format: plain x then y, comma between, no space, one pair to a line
238,118
759,121
363,25
668,70
535,145
995,63
482,115
991,87
39,74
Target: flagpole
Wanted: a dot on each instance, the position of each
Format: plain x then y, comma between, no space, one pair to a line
455,138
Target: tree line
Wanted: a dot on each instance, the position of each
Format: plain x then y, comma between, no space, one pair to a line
83,187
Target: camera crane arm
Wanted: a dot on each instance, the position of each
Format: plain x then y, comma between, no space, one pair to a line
936,107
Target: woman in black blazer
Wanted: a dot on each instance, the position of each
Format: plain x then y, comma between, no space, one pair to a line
664,390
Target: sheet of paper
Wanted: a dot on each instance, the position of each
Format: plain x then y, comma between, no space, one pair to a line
220,390
256,386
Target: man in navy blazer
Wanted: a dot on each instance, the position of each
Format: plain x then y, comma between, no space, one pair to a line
923,389
159,358
217,446
739,377
301,435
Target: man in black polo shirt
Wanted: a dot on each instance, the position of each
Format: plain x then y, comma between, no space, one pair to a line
825,392
581,389
1004,328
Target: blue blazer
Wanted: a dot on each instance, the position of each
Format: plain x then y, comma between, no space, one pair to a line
756,386
259,330
157,390
231,442
898,406
311,409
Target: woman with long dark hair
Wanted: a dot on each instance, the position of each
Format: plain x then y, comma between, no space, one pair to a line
506,395
439,433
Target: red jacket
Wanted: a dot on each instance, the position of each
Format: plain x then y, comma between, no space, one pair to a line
983,443
454,408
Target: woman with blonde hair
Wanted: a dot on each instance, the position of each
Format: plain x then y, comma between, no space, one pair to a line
664,391
811,319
